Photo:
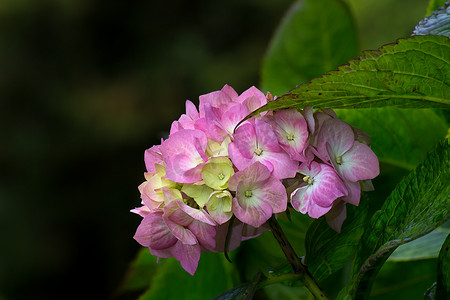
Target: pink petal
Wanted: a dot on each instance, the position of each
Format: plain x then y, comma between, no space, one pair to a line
233,116
308,115
187,255
273,192
327,187
266,138
252,98
230,92
255,215
299,200
153,156
289,123
177,220
197,214
191,111
163,253
318,197
336,216
183,152
338,134
245,141
240,161
354,192
153,232
268,195
205,234
215,129
359,163
283,166
256,173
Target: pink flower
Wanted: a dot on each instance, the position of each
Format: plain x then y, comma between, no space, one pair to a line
352,160
292,132
258,143
179,231
224,109
184,155
321,187
258,194
153,156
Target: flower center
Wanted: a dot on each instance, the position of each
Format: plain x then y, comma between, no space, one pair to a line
308,179
221,176
339,160
258,151
290,137
248,194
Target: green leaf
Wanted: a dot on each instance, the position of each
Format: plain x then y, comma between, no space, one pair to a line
404,280
443,280
438,23
139,274
412,73
401,137
422,248
242,291
434,5
328,251
212,277
419,204
315,36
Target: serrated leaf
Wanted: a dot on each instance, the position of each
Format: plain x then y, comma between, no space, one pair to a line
438,23
433,5
443,278
328,251
419,204
172,282
400,137
412,73
315,36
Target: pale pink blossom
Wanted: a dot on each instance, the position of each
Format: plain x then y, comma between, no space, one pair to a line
258,194
291,130
320,188
184,155
258,143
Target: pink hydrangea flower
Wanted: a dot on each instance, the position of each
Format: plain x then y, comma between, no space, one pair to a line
184,155
291,130
258,194
320,188
258,143
352,160
224,109
179,231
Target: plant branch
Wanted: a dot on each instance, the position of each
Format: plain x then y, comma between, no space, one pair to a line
295,261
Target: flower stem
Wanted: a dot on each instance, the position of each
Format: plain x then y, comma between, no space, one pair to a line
295,261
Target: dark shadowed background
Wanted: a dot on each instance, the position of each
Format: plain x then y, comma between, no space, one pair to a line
85,87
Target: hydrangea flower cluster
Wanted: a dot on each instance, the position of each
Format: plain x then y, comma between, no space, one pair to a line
213,172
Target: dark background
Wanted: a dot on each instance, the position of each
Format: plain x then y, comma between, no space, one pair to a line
85,87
